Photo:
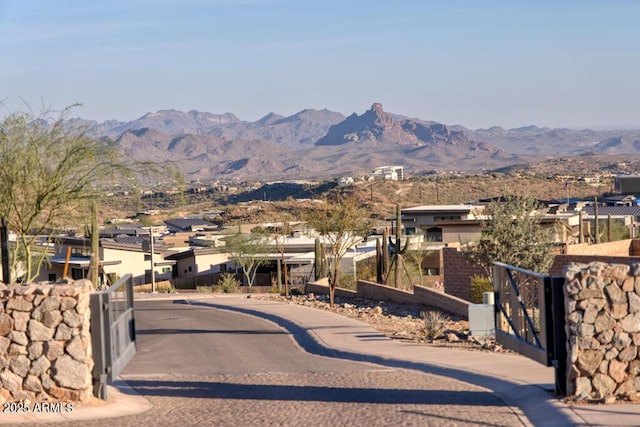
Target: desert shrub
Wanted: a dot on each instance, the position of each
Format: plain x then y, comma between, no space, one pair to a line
296,292
228,283
347,281
205,289
478,286
435,323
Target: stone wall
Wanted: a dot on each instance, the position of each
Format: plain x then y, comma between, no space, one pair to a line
561,262
45,342
603,330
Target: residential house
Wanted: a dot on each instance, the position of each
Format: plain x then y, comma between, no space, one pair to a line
118,256
198,261
444,224
394,173
298,248
628,216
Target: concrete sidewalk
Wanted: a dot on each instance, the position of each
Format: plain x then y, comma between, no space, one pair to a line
521,383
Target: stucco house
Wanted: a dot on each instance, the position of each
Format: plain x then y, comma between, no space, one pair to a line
118,256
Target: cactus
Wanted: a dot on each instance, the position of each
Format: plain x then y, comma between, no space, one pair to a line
317,259
379,262
385,255
321,269
324,265
397,249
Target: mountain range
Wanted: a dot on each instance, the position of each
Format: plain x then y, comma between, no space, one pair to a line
320,144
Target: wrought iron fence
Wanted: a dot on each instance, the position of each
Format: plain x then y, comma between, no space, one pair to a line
530,317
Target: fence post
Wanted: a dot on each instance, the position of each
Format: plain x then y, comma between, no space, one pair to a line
4,237
559,335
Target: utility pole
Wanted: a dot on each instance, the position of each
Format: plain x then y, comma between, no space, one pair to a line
153,274
150,247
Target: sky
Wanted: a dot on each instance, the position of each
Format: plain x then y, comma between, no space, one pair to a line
476,63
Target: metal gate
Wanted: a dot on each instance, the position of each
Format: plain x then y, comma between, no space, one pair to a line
113,332
530,317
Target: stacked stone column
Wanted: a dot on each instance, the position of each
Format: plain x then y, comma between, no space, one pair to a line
602,303
45,342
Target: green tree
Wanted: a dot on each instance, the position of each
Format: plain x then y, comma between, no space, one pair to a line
342,223
248,250
49,170
512,234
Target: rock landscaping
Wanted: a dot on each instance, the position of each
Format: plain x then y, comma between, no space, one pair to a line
398,321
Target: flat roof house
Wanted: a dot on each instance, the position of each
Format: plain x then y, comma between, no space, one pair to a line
118,256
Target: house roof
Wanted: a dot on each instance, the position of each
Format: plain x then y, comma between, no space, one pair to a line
188,223
193,252
620,197
438,208
130,240
613,210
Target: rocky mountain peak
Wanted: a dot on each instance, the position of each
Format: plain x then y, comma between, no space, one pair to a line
377,116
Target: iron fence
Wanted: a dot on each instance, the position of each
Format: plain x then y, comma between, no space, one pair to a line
530,317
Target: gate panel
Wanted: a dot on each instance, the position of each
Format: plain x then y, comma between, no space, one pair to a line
113,332
530,317
521,313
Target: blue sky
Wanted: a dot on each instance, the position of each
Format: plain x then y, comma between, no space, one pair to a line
475,63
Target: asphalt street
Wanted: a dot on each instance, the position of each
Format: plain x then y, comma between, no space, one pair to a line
202,365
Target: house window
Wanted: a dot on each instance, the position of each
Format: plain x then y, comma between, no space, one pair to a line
147,257
166,269
52,277
447,218
78,273
81,252
434,234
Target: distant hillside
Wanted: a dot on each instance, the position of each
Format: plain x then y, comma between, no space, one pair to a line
326,144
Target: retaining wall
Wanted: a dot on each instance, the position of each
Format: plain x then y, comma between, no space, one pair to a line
45,342
419,295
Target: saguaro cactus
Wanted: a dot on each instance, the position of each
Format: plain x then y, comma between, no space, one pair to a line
385,255
397,250
379,262
317,258
321,269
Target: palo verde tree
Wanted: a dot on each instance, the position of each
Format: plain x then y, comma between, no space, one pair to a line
49,170
248,251
342,223
512,234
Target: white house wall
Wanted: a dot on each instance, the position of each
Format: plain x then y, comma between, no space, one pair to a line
201,264
132,262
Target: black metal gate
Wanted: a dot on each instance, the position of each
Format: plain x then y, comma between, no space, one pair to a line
530,317
113,332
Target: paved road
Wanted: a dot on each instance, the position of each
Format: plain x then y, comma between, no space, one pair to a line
205,366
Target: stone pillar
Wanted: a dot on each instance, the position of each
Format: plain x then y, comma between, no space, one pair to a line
45,342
